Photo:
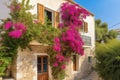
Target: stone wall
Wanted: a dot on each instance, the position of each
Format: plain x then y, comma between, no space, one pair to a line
0,78
26,62
69,73
25,66
84,67
13,68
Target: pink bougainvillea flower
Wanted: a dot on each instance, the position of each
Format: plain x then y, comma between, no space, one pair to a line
56,40
20,26
59,57
8,25
15,34
17,6
73,14
36,21
74,40
55,64
61,25
63,67
12,8
57,48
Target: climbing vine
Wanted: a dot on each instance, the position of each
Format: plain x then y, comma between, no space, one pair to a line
69,41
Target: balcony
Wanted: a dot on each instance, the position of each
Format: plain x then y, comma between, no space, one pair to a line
87,40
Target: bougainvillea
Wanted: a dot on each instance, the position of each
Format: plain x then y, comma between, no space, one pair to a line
7,25
57,46
15,30
72,15
18,30
73,39
69,41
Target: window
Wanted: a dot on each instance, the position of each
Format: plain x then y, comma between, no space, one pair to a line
74,63
42,64
89,59
46,13
87,40
84,28
48,17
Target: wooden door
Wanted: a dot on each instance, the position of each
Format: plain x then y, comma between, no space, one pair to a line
74,63
42,67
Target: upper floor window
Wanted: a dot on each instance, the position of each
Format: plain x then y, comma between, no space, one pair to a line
48,15
84,27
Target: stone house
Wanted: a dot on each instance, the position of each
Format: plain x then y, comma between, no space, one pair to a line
34,65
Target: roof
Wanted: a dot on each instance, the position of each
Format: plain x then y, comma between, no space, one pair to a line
72,1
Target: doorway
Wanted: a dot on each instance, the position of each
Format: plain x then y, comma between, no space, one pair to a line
42,68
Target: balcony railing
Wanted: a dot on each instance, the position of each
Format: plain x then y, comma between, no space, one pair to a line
87,40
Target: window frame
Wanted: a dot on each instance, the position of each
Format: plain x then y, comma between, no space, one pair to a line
89,59
84,27
50,10
42,64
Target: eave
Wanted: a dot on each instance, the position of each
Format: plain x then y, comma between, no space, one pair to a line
73,2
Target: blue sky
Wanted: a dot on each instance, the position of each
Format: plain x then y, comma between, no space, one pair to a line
3,9
106,10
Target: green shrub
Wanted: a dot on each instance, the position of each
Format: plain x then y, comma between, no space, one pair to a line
108,60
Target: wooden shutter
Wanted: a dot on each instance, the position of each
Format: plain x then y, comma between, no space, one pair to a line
82,28
85,27
56,19
41,13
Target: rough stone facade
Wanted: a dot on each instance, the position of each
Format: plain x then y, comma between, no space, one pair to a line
69,70
25,63
24,67
0,78
84,67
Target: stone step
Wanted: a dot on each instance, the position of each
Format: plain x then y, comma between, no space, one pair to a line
92,76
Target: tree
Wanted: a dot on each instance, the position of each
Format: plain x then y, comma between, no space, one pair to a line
107,54
108,60
102,32
112,34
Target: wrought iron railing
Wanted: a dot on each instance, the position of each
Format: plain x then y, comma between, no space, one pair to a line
87,40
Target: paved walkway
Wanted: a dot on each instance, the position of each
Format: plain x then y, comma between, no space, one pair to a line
92,76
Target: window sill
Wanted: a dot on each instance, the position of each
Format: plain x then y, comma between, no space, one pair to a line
74,72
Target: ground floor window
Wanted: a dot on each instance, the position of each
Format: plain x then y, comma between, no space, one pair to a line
42,67
89,59
42,62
